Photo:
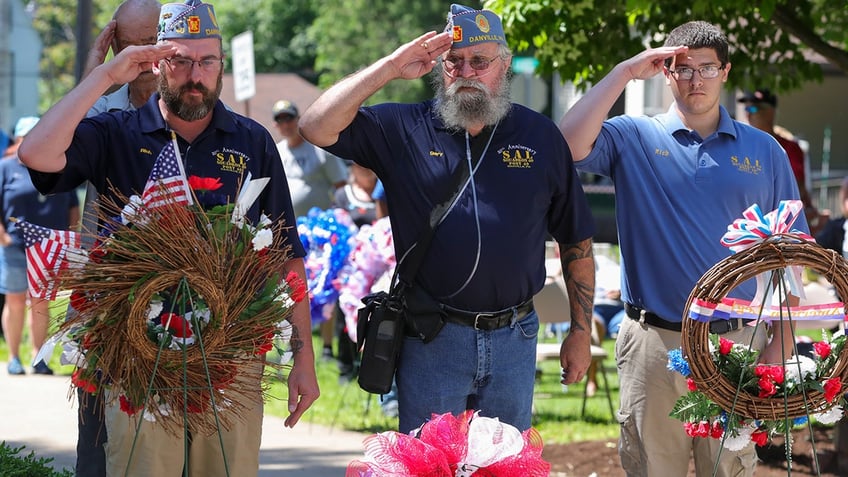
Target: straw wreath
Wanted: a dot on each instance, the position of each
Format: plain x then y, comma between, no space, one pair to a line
201,260
778,252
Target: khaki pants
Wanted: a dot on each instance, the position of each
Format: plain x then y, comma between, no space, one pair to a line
652,443
156,452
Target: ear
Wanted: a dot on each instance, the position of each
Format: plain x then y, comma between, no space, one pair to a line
726,72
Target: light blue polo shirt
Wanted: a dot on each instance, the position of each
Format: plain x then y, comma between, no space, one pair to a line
676,193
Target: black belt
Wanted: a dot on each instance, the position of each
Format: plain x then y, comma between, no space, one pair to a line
718,327
487,321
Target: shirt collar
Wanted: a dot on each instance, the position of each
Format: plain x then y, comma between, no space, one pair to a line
672,122
151,118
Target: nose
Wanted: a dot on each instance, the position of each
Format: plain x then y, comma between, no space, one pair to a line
195,71
466,70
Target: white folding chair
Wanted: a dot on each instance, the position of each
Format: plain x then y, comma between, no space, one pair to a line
552,306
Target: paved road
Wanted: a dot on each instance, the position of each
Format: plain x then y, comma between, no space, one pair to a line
36,411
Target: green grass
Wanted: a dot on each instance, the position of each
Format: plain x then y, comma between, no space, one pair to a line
557,415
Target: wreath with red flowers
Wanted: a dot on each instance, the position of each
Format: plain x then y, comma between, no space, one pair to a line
176,305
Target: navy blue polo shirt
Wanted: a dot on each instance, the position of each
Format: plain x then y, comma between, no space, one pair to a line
120,148
526,190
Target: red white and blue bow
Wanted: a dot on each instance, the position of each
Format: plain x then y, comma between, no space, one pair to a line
755,227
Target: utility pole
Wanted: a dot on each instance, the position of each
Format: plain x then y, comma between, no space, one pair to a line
5,66
84,16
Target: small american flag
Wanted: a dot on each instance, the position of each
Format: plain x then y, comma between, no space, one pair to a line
167,183
46,253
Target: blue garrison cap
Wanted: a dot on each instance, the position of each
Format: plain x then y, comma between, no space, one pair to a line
471,27
190,20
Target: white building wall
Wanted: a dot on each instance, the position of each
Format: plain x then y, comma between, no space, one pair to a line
20,53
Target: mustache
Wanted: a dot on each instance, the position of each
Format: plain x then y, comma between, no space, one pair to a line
466,83
195,86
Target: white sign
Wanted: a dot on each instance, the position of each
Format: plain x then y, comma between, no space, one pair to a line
244,73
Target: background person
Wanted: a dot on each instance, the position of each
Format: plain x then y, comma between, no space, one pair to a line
20,200
116,149
486,260
314,176
134,23
761,111
675,172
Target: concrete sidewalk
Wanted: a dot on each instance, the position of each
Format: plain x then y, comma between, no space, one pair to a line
36,411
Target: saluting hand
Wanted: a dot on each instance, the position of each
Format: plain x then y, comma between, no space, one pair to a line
650,62
134,60
418,57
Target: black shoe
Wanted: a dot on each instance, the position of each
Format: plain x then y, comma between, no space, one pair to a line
42,368
327,354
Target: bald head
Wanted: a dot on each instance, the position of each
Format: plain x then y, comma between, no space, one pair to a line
137,22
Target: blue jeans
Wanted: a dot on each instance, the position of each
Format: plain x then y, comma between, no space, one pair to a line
462,368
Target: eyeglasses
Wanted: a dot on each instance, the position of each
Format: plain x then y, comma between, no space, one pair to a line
706,72
477,63
752,109
185,65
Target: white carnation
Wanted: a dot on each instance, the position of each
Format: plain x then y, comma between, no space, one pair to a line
799,369
741,441
831,416
263,239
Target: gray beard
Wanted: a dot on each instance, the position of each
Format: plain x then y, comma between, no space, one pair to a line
461,110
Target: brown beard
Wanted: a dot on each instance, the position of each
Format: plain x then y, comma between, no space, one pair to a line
190,112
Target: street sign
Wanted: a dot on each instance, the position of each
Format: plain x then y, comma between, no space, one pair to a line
244,72
524,64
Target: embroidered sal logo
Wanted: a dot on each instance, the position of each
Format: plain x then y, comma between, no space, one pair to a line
518,156
746,165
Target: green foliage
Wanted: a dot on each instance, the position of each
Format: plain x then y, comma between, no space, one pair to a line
13,464
352,34
280,39
770,43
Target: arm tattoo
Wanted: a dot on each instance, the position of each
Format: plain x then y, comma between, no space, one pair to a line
578,269
295,342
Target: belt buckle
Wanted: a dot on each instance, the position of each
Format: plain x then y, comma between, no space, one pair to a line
726,326
477,317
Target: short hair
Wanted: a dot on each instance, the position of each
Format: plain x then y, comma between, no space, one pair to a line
699,34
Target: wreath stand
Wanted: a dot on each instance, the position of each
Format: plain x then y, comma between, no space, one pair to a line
771,256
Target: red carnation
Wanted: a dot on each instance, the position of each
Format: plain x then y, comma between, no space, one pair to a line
767,387
724,346
177,325
204,184
760,438
832,387
79,301
127,406
822,349
297,286
690,384
81,381
266,343
88,341
717,430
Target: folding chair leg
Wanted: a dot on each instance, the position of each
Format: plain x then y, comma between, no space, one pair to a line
606,391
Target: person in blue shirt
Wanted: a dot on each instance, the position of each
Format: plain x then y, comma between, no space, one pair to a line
680,179
20,200
486,260
116,151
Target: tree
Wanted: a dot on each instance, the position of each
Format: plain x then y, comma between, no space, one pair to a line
279,27
771,40
352,34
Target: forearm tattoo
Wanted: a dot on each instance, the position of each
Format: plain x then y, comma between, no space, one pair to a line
295,342
578,269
